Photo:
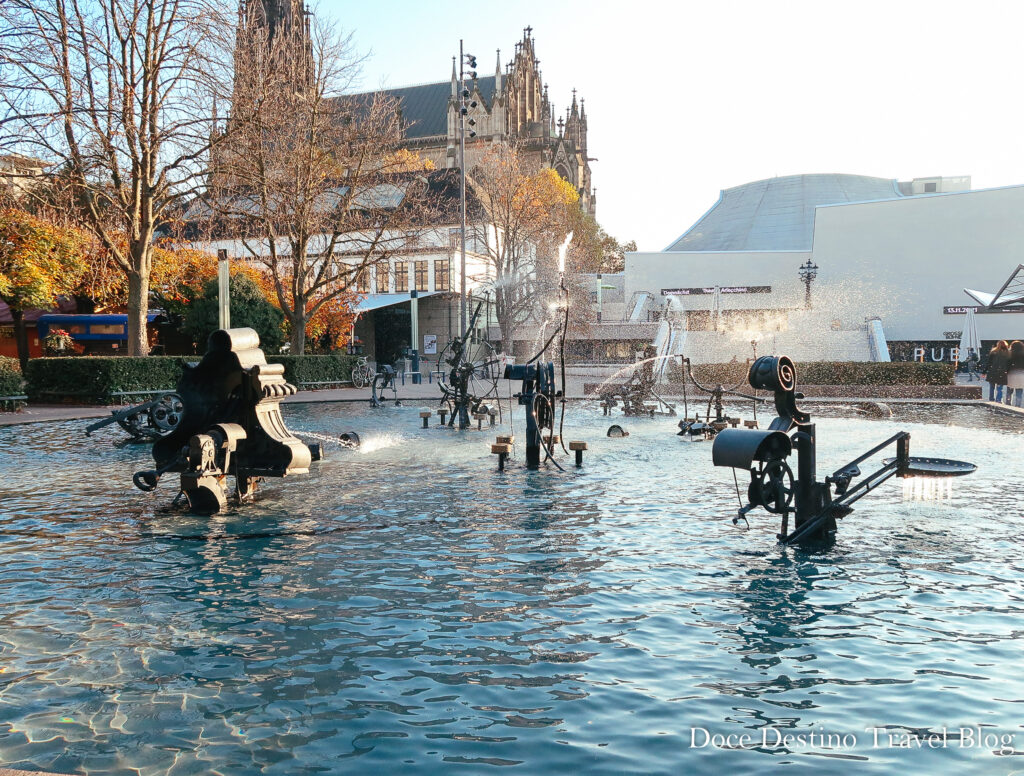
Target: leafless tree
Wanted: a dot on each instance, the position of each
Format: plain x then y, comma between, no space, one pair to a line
312,180
118,94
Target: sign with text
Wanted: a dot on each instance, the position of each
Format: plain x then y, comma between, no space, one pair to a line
701,290
430,344
962,310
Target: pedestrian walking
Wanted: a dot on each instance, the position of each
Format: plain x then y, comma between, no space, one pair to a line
998,361
1015,374
972,365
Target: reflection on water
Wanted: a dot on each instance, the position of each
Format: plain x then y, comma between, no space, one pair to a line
406,607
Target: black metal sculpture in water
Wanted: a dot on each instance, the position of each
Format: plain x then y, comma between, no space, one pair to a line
772,485
538,396
708,427
147,421
383,380
459,393
637,394
231,425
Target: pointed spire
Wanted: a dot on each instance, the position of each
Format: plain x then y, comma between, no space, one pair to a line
455,80
497,74
575,107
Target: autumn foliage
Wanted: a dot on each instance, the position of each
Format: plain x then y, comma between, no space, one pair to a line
38,262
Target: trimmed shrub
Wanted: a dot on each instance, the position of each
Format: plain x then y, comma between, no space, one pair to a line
11,383
99,379
96,379
831,373
315,369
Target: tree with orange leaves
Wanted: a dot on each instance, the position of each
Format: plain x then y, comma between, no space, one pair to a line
38,262
527,212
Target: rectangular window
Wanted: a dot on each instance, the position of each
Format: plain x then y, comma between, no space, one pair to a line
421,270
441,278
401,277
363,281
929,187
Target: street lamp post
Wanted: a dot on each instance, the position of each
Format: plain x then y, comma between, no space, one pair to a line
464,105
808,272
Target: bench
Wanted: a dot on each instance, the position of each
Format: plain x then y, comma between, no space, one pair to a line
12,403
122,397
317,385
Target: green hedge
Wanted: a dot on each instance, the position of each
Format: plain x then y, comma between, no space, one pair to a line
833,373
11,383
98,379
315,369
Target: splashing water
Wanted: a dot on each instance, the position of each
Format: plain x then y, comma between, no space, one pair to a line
630,368
380,442
540,336
367,445
319,437
927,489
562,249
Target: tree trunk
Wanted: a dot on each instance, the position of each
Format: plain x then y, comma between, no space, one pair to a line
298,335
138,312
21,337
503,314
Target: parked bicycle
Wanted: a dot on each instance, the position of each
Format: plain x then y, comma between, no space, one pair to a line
362,373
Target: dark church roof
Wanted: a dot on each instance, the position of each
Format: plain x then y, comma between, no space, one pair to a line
777,214
425,106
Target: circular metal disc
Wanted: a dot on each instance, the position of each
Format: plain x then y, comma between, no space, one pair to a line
935,467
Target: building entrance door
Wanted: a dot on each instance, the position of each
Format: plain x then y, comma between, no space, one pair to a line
392,328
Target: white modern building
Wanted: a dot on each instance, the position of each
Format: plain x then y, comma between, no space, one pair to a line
890,259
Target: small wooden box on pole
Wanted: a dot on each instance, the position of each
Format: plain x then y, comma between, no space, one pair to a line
502,450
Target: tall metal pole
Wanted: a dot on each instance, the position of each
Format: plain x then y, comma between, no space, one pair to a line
414,351
463,315
223,289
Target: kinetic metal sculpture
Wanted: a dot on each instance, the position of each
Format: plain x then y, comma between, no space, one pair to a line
459,393
147,421
231,425
538,397
708,427
637,394
772,485
383,380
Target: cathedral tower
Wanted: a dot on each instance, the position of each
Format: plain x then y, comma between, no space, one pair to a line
273,48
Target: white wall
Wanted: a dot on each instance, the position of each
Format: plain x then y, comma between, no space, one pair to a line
902,259
653,272
907,258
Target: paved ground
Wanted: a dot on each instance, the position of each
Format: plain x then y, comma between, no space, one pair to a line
426,393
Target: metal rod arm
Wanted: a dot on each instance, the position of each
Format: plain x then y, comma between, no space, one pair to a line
862,488
871,452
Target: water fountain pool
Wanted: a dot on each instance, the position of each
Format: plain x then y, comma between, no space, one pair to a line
406,607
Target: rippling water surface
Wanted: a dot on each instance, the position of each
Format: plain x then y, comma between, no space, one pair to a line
407,608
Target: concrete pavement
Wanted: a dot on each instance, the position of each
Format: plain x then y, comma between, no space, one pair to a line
429,393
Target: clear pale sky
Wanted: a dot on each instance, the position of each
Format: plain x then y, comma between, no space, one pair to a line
686,98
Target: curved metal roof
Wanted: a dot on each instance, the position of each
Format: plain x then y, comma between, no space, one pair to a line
777,214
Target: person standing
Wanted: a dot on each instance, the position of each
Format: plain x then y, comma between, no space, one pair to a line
998,360
1015,374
